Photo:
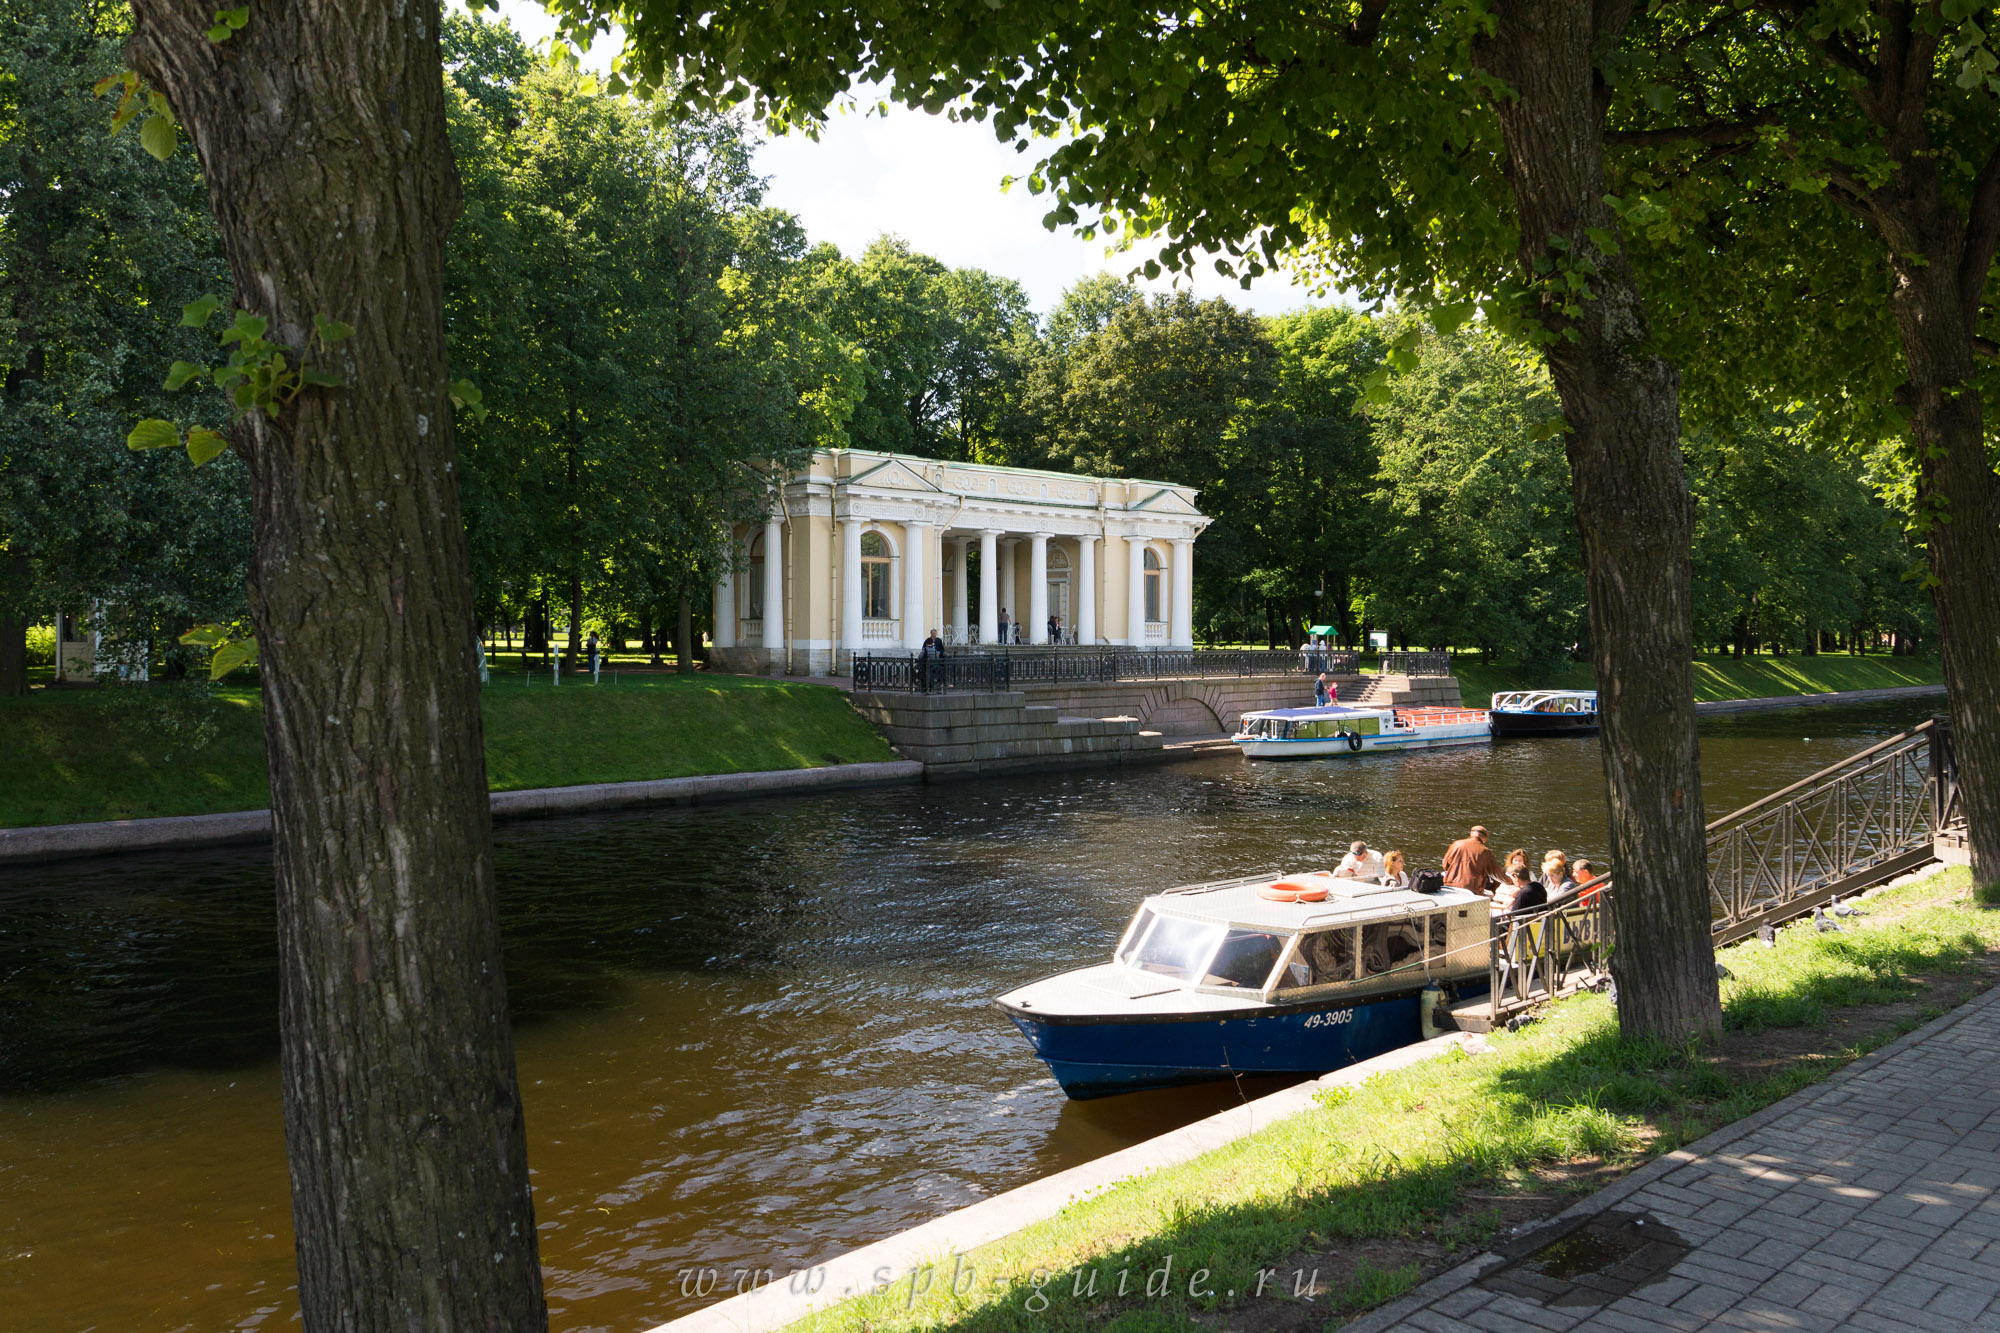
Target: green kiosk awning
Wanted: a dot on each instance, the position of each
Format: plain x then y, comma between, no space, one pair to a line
1320,629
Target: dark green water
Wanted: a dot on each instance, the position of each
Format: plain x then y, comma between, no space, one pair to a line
749,1035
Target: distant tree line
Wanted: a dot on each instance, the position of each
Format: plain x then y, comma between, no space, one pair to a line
646,333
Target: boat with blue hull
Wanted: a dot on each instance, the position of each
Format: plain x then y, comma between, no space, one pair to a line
1257,975
1544,712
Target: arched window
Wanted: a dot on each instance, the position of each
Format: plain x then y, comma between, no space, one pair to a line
874,576
1058,561
1153,586
756,579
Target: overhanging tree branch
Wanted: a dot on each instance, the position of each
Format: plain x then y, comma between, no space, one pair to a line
1982,236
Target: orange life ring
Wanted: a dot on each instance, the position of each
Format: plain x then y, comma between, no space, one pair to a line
1280,892
1313,895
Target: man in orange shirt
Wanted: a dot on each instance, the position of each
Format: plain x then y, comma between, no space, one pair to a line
1469,863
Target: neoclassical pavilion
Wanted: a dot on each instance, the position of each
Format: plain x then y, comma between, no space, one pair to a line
873,553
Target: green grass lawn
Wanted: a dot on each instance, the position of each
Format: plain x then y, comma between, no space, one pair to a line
1719,677
132,753
1378,1185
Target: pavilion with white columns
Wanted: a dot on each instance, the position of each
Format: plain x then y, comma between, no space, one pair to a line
869,552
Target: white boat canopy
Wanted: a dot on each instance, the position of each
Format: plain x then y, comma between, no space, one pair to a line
1545,701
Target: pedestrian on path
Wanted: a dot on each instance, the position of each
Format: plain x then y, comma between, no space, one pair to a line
596,661
1320,694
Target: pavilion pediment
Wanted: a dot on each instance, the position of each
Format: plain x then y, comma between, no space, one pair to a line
893,475
1164,501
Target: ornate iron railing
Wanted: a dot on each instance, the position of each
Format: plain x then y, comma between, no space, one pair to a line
1416,664
1866,818
1848,827
1009,670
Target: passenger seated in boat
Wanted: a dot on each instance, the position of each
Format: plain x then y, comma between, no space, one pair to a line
1360,863
1556,878
1386,945
1394,875
1518,888
1245,959
1329,955
1585,885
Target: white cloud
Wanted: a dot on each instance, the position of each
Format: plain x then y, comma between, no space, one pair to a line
936,183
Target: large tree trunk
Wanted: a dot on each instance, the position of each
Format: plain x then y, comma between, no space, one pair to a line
684,636
1956,488
1622,407
14,626
320,128
575,643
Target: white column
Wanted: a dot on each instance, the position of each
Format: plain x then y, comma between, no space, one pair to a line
916,605
989,586
961,553
1038,588
1007,587
725,605
1086,593
850,584
1183,614
1135,592
774,585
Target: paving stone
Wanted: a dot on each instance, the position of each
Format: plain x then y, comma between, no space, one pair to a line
1872,1204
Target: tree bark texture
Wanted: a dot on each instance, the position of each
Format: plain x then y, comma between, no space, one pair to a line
320,129
1942,261
13,625
1635,515
684,636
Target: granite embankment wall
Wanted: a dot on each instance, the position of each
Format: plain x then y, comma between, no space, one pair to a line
1111,722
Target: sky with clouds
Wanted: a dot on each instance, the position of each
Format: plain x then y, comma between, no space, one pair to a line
937,184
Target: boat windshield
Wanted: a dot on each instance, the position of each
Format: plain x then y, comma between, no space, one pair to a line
1175,948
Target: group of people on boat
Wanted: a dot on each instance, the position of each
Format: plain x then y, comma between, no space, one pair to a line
1469,864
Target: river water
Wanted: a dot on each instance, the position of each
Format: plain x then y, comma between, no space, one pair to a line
749,1036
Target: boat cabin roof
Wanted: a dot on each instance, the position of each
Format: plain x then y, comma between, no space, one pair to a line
1238,903
1320,711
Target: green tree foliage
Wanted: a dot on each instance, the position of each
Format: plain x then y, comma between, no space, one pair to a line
1478,544
100,246
617,289
938,350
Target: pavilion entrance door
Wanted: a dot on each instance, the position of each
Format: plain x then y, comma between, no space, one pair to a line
1059,605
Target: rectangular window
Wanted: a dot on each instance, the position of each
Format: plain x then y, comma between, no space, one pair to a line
1153,596
1328,957
756,590
875,590
1366,726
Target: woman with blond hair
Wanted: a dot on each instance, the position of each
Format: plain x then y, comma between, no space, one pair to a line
1393,873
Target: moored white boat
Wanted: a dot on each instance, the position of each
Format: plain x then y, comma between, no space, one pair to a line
1220,979
1332,730
1543,712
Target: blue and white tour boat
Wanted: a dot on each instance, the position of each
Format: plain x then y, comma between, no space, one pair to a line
1544,712
1332,730
1258,975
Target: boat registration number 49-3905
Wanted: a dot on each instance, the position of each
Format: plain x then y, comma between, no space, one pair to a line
1330,1018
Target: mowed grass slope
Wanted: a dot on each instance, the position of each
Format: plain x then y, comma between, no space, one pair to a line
1378,1185
1719,677
137,752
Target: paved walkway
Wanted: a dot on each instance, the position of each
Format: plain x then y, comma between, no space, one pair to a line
1866,1202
